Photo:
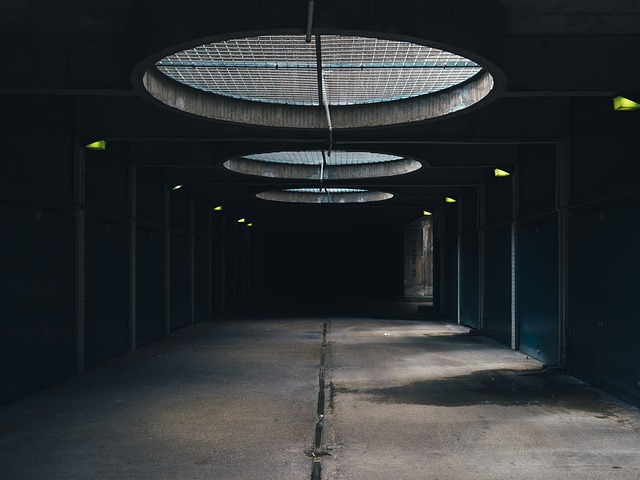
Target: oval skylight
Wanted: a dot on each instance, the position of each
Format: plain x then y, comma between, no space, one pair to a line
324,195
341,70
319,164
317,157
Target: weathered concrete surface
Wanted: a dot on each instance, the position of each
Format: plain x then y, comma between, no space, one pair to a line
237,400
216,401
423,400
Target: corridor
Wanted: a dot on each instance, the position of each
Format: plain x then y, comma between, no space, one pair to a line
403,399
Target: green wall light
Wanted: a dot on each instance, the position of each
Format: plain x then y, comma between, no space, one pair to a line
622,104
97,145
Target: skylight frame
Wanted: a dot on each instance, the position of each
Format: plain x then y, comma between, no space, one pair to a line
317,157
322,164
245,69
324,195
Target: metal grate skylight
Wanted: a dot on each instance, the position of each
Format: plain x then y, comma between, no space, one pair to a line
330,190
283,69
337,157
324,195
322,164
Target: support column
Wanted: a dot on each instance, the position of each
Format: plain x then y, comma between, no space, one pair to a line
133,235
192,262
439,216
209,264
482,215
167,260
459,252
515,213
223,264
79,200
563,196
234,264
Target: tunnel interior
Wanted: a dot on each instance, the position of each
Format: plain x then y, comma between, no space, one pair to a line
530,181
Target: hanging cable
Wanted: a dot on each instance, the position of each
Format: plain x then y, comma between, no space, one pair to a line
309,20
323,99
326,109
322,165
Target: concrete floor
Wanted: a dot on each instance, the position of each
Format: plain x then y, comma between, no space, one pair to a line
238,400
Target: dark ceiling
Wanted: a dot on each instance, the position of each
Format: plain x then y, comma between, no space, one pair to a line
563,62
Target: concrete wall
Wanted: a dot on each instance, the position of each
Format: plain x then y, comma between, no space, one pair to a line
89,264
553,269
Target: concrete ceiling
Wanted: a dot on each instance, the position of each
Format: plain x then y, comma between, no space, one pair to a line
563,62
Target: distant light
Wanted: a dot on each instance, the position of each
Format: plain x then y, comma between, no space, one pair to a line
249,224
426,213
242,220
177,187
450,200
500,173
97,145
622,104
218,208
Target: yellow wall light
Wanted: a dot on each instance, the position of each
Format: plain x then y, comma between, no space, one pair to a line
97,145
622,104
218,208
426,213
498,172
450,200
249,224
242,220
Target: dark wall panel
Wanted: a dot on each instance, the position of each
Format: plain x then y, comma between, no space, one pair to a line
37,263
603,166
179,205
44,169
499,200
450,280
450,221
468,209
538,291
150,295
537,179
469,282
202,215
497,321
106,290
107,179
604,311
218,282
37,144
201,279
180,299
150,195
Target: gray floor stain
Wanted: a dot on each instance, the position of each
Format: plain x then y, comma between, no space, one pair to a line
499,387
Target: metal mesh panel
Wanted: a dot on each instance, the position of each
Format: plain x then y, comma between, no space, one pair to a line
283,69
337,157
325,190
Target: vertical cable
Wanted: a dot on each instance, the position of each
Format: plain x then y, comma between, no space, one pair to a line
310,10
323,101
